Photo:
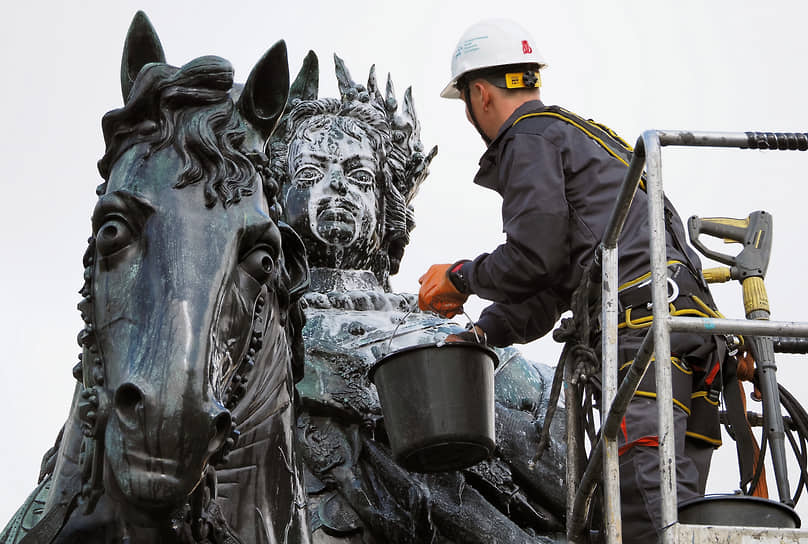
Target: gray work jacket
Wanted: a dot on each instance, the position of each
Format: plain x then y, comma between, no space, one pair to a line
558,188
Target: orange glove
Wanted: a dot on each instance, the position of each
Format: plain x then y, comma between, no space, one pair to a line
438,294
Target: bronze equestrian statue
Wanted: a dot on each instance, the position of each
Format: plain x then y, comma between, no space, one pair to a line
186,425
182,424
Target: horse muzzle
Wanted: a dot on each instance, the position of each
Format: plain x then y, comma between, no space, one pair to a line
154,454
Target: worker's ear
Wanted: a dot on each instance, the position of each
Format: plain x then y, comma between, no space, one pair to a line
479,93
485,94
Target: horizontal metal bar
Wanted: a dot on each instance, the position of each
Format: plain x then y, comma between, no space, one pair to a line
755,419
778,141
737,326
712,534
702,139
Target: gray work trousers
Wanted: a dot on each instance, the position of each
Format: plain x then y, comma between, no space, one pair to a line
640,496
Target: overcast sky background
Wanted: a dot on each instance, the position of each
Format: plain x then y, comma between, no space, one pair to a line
723,65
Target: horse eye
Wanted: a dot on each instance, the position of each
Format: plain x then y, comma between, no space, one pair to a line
259,264
113,235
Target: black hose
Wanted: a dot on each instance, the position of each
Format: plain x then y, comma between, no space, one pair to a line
799,453
783,141
786,344
799,418
795,421
758,467
589,413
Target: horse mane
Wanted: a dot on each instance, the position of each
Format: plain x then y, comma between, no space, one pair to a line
191,108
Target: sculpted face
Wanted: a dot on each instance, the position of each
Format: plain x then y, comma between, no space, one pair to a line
333,193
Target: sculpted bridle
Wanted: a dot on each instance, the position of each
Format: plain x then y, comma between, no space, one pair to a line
188,302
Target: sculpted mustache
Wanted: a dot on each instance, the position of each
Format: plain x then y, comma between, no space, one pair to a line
327,203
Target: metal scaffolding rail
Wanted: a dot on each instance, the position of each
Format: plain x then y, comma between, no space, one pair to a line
604,456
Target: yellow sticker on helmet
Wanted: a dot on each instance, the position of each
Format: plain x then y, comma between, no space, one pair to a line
516,80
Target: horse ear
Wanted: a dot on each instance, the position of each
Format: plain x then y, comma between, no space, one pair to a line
296,263
264,96
141,47
307,82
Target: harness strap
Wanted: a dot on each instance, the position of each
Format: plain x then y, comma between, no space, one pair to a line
736,418
618,148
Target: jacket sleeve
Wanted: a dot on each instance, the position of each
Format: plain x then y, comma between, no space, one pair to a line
535,219
506,324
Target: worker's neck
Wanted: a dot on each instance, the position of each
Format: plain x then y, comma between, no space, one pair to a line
506,105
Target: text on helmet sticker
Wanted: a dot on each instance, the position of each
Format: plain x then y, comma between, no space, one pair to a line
520,80
469,46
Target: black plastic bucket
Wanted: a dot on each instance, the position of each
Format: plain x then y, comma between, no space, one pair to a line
438,404
738,510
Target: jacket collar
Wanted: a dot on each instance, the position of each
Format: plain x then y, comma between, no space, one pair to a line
487,174
527,107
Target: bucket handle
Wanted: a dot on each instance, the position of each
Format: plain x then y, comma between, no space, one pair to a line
411,309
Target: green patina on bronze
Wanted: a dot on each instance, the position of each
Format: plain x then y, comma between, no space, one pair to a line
185,426
191,305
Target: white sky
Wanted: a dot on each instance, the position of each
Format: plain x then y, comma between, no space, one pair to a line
723,65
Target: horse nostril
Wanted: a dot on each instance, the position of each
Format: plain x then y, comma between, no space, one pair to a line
221,429
129,404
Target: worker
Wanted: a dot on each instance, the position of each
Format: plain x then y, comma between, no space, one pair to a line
559,177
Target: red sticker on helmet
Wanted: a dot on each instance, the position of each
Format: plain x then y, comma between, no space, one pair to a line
526,49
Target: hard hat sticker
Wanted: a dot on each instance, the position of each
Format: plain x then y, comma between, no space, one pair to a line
520,80
526,49
469,46
514,81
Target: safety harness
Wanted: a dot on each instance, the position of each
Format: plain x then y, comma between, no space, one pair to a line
687,289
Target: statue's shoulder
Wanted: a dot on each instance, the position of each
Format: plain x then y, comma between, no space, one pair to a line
521,383
28,514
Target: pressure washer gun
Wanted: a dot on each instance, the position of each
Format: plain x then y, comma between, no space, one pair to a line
749,267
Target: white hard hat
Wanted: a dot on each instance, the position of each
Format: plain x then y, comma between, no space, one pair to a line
494,42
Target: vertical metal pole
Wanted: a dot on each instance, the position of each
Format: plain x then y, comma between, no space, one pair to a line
611,469
572,405
763,350
662,348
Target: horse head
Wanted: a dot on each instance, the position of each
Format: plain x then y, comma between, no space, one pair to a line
191,282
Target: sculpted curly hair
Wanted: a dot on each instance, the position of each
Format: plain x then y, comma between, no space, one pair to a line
395,137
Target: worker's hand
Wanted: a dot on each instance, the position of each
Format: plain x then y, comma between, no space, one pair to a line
469,336
438,294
